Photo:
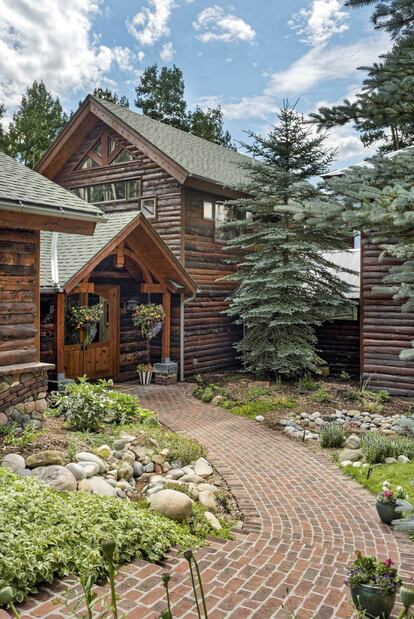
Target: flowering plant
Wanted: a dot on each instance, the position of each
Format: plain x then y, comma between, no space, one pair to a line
144,367
86,317
390,496
371,571
146,317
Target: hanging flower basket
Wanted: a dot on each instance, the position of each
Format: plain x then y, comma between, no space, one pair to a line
85,319
148,318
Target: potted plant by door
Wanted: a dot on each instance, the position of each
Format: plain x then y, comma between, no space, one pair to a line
85,319
145,372
374,585
149,319
387,502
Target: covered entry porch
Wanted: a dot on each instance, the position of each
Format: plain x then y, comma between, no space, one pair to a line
123,265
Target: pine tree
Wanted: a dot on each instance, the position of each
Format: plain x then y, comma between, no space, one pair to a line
2,132
379,200
287,285
35,125
394,16
112,97
384,109
209,125
160,95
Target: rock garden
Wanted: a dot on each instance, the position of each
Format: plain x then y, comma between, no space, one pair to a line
102,464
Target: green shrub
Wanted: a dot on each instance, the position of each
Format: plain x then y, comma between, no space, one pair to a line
45,534
87,406
181,447
306,383
376,447
372,406
321,395
331,435
344,375
352,394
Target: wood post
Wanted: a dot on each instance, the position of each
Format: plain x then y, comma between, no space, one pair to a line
166,329
60,335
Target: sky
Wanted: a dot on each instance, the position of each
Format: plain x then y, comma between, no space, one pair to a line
247,55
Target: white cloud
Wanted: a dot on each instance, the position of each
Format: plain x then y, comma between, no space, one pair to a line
152,23
51,40
167,52
216,25
318,23
314,67
140,56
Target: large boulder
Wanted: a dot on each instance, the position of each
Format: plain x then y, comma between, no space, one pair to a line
86,456
208,500
14,462
352,455
57,477
96,485
77,470
45,458
172,504
203,468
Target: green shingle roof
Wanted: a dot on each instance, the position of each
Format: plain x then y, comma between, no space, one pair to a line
25,187
74,251
198,157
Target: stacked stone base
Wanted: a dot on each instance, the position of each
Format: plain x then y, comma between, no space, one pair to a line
23,390
164,379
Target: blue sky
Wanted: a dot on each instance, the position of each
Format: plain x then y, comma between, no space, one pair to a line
247,56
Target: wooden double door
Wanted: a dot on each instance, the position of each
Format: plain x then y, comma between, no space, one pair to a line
100,358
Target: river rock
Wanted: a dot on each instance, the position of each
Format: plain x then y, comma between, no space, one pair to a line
125,471
353,442
138,469
390,460
77,470
175,474
403,460
45,458
90,468
14,462
104,451
96,485
57,477
217,399
86,456
214,523
208,499
203,468
209,487
352,455
172,504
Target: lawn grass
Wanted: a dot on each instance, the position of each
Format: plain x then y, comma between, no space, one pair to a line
396,474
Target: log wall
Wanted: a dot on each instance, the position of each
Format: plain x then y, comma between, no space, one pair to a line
385,330
209,334
19,289
339,346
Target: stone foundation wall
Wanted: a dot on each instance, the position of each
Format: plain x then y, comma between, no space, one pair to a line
23,397
164,379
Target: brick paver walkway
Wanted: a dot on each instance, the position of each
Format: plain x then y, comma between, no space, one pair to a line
303,522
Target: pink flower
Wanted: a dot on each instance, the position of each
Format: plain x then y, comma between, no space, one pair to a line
389,562
387,493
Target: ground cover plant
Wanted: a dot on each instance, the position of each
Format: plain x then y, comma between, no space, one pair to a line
395,474
45,534
376,447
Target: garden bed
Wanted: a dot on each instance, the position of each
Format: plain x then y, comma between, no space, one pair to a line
99,484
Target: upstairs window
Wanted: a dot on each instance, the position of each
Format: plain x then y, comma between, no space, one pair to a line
148,207
119,191
208,210
123,156
88,163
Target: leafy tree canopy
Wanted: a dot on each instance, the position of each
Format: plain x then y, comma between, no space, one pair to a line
160,95
209,125
35,125
2,132
112,97
287,284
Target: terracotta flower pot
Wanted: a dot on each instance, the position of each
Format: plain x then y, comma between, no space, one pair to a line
386,511
372,600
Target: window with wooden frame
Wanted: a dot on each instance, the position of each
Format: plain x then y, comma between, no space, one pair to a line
216,212
149,207
105,151
118,191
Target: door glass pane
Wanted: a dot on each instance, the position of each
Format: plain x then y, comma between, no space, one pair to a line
71,334
102,329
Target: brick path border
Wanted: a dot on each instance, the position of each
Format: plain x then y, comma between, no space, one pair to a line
303,522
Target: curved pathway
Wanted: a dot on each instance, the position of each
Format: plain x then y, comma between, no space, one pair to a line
303,522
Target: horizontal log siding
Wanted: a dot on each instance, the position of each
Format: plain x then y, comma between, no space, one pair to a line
19,264
339,344
209,334
385,330
154,182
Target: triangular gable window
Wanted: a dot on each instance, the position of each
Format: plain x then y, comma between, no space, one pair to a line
98,148
122,157
88,163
